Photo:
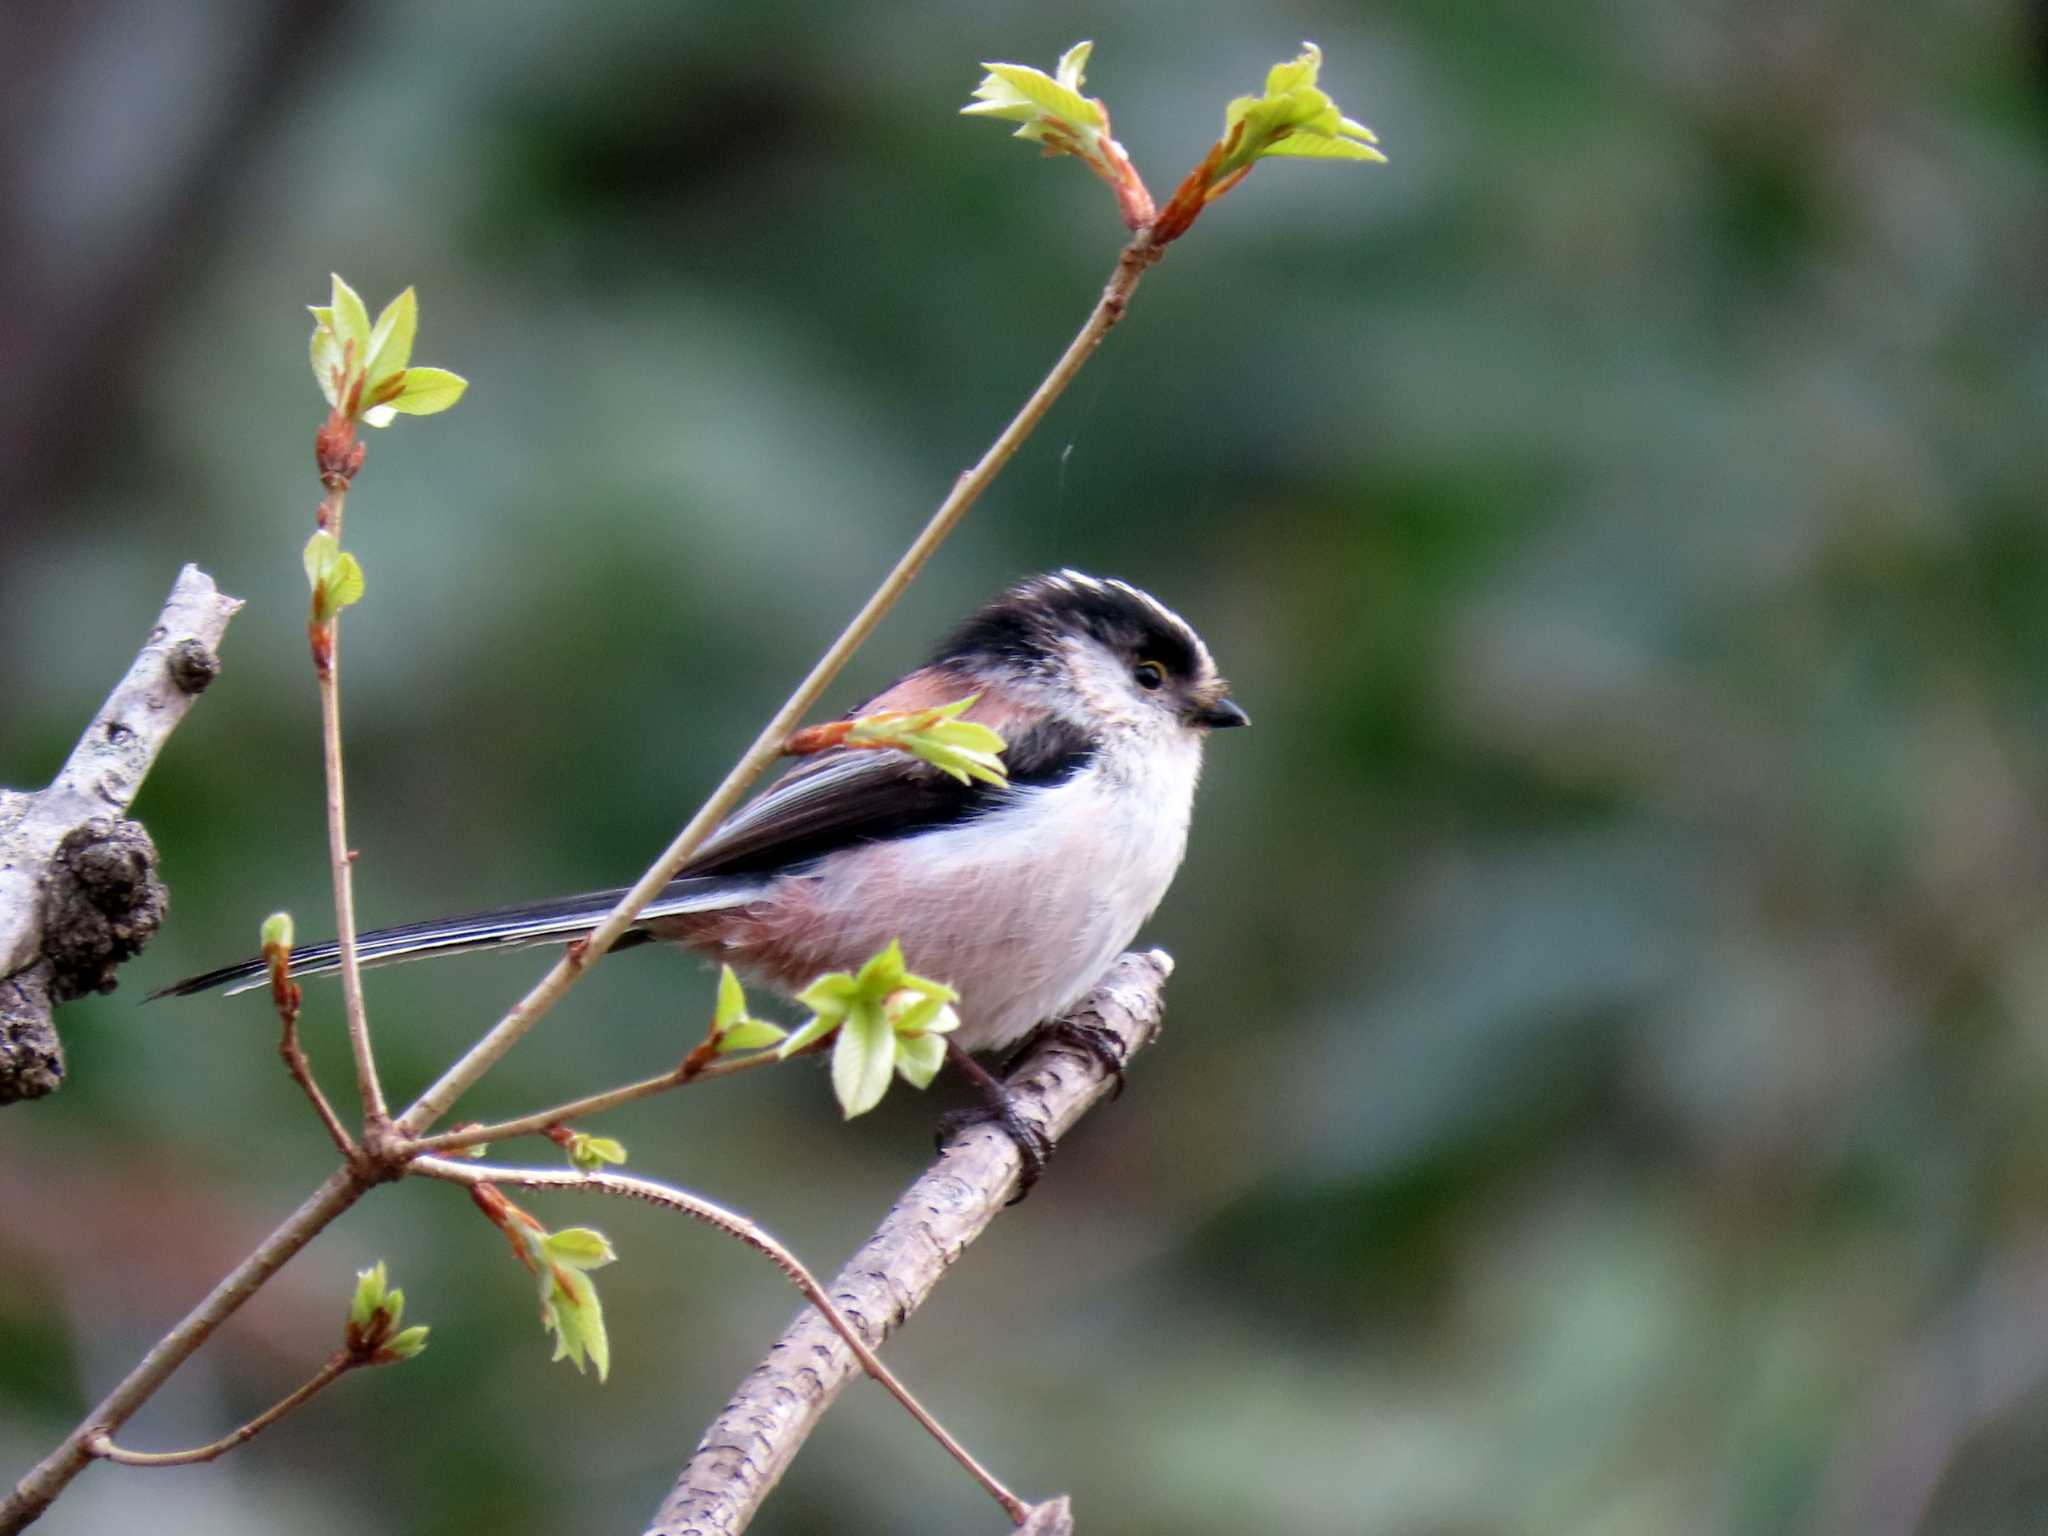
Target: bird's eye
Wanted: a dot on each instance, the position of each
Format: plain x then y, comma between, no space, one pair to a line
1150,675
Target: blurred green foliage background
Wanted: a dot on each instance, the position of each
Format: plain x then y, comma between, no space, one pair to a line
1606,1086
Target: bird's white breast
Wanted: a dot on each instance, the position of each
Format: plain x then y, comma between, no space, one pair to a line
1024,908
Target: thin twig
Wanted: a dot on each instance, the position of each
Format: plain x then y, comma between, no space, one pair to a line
301,1069
1140,254
751,1443
596,1103
285,997
32,1495
338,1365
328,670
738,1227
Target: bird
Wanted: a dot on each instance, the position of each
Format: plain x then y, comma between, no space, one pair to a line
1018,895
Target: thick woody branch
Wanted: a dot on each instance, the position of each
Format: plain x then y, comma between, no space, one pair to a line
78,886
756,1436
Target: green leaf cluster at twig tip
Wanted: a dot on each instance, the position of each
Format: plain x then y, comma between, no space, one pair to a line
731,1028
374,1311
889,1022
1293,117
569,1308
1051,107
333,574
966,749
1052,112
588,1154
364,369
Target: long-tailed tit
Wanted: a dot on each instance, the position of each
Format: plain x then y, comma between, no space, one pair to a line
1019,896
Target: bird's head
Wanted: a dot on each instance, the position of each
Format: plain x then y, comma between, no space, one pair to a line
1101,653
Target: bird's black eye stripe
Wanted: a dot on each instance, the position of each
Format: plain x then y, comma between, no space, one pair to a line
1150,675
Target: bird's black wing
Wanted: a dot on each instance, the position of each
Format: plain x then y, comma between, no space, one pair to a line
856,795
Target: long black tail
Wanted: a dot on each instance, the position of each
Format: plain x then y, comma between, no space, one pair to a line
538,922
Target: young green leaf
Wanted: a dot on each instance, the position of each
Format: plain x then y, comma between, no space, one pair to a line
830,993
731,1006
814,1029
750,1035
876,1013
1050,107
1052,113
731,1029
351,320
590,1153
405,1345
965,749
366,370
1293,117
570,1310
277,932
882,972
828,998
369,1296
333,574
390,344
915,1011
919,1057
578,1247
863,1059
374,1309
428,391
329,364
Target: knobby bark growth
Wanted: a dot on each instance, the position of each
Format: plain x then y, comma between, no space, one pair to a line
79,892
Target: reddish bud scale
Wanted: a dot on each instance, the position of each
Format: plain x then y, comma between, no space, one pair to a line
364,1342
816,738
507,1218
1199,190
336,453
1133,197
321,638
285,995
699,1058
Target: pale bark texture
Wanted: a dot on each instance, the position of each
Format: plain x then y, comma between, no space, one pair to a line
79,892
752,1441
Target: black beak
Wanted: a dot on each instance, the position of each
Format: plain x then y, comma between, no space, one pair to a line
1223,713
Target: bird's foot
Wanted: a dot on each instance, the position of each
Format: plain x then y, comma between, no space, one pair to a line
998,1108
1034,1147
1105,1045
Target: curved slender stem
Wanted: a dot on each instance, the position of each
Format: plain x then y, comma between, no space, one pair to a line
285,997
735,1226
337,1366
